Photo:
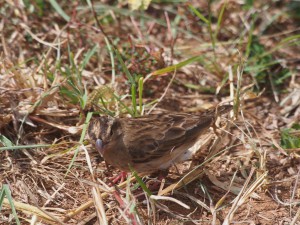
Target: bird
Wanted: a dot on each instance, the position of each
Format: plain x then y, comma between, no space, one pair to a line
150,143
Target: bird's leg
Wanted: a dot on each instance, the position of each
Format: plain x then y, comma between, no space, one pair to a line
119,178
122,176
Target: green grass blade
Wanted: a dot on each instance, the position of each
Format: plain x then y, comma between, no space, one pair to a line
133,98
131,81
141,87
88,56
5,141
2,195
177,66
140,181
24,147
198,14
291,38
220,18
103,8
87,120
59,10
112,59
124,67
123,105
250,37
6,192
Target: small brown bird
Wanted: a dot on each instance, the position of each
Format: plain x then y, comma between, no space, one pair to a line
152,142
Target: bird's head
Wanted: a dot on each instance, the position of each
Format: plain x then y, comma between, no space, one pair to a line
100,132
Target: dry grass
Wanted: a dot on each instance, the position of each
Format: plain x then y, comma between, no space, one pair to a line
56,67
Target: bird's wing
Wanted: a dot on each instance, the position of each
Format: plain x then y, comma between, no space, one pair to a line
150,137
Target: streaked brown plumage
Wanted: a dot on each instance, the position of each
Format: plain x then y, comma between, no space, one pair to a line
152,142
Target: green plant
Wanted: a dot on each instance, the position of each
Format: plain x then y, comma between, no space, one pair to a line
289,137
264,67
6,192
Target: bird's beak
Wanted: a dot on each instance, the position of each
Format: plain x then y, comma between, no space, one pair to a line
99,146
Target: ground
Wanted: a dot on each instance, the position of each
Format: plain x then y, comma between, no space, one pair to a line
61,61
